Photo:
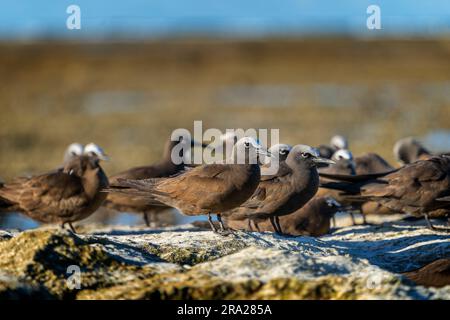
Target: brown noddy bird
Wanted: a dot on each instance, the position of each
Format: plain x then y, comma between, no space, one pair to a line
337,142
421,188
295,183
206,189
73,150
409,150
434,274
164,168
279,152
59,196
369,163
77,149
313,219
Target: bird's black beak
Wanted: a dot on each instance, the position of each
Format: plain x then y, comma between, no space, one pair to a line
263,152
202,144
323,160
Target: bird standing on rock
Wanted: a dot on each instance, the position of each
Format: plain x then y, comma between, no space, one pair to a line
421,188
295,183
61,197
206,189
164,168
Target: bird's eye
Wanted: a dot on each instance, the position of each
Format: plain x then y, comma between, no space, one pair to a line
305,155
282,151
247,144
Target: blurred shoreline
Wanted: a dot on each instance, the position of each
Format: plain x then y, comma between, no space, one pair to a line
129,96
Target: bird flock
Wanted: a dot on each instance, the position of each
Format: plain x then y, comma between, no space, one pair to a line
310,185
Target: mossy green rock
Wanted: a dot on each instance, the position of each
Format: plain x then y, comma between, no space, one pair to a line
42,258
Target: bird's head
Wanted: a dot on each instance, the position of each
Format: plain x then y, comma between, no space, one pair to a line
306,155
95,151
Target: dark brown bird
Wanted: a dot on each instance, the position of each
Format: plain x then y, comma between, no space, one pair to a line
77,149
206,189
337,142
409,150
371,163
313,219
421,188
164,168
279,153
295,183
60,196
434,274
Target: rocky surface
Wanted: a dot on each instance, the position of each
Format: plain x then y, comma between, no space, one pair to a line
358,262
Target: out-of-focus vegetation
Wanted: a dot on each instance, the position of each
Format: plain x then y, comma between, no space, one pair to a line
128,97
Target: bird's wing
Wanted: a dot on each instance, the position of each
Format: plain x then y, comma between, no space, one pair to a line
135,173
56,193
416,184
269,196
355,178
201,185
283,170
196,185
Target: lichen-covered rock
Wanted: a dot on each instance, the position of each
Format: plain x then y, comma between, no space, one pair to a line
43,258
359,262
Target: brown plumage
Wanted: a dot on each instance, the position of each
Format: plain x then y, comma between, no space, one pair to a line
367,164
206,189
371,163
420,188
60,196
434,274
291,188
313,219
164,168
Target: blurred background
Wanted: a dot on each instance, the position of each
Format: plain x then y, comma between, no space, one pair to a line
138,69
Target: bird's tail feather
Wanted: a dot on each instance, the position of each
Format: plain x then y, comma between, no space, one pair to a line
346,188
355,178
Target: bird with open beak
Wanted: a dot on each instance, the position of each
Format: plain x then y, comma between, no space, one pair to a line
295,183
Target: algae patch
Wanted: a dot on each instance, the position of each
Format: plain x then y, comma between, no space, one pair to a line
42,258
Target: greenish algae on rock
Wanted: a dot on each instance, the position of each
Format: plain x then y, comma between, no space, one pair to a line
42,258
358,262
194,255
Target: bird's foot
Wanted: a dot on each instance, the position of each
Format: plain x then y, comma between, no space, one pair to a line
434,228
440,229
71,227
